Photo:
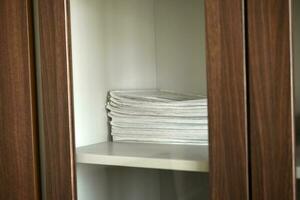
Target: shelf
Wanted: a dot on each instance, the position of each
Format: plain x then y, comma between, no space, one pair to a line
154,156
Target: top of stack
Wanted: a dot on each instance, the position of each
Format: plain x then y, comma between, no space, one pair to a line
157,103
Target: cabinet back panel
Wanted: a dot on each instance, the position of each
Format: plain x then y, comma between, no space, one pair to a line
180,45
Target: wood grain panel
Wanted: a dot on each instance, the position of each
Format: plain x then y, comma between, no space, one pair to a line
227,100
271,100
19,170
57,99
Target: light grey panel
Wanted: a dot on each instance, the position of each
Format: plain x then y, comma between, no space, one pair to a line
180,45
133,184
92,182
177,185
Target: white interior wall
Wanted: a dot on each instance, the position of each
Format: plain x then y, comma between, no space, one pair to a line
133,184
92,182
115,46
180,45
176,185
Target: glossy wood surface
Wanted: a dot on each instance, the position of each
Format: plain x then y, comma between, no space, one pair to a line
271,100
60,172
19,166
227,100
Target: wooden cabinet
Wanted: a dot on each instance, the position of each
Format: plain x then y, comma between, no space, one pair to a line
19,160
272,132
226,78
241,54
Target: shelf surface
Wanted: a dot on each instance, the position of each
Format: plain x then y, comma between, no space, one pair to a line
154,156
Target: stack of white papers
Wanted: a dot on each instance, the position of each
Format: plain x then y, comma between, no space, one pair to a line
155,116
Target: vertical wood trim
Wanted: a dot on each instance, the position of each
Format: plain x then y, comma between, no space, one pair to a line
19,163
56,69
271,99
227,100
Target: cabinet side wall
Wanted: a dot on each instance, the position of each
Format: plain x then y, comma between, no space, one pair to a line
112,48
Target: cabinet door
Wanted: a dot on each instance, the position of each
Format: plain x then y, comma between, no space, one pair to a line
227,98
272,134
19,167
100,50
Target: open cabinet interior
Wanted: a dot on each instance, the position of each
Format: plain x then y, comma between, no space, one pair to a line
136,44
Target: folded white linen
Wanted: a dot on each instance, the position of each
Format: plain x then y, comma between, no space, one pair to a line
155,116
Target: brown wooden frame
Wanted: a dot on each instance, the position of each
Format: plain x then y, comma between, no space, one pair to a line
272,135
56,74
19,157
227,99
